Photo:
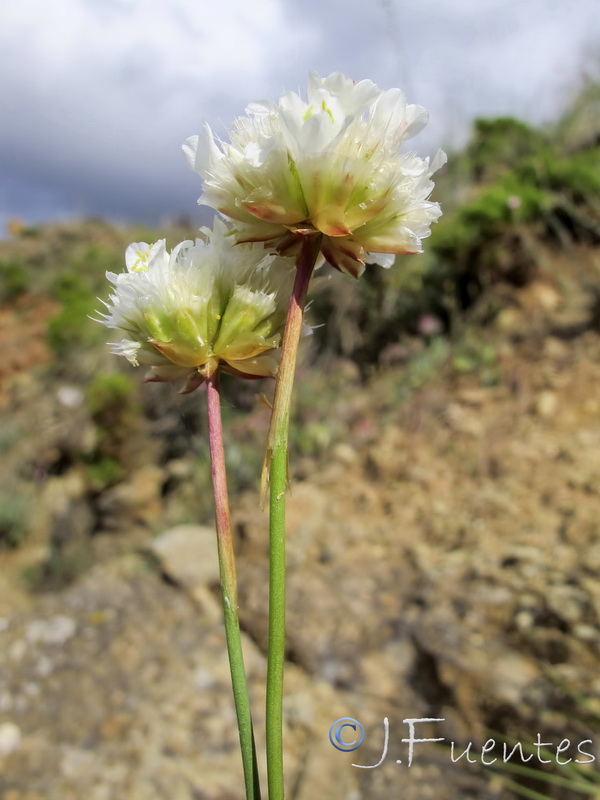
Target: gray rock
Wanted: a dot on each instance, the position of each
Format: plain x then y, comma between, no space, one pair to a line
188,555
55,631
10,738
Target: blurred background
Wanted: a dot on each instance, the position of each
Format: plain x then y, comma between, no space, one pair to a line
444,543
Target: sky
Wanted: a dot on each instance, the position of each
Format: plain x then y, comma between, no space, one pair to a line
97,96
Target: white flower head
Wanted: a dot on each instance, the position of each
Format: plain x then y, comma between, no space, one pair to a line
207,305
330,164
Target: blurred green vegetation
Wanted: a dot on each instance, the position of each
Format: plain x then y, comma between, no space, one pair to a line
14,280
111,396
14,519
69,328
113,404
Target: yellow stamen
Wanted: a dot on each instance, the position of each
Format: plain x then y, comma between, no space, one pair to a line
326,108
141,263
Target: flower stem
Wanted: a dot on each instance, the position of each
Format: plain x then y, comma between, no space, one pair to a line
229,591
277,457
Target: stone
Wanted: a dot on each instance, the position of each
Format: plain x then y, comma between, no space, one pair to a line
546,404
139,497
188,555
70,396
57,630
76,763
510,675
569,603
540,295
345,454
511,321
10,738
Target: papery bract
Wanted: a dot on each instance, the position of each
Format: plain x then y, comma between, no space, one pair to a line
330,165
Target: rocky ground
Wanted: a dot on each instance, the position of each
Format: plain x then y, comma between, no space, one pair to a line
444,553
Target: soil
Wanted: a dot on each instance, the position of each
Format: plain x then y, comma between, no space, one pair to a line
443,560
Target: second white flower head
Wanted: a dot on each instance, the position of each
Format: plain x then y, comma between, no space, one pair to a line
208,304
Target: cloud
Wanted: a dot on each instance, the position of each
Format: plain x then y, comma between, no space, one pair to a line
460,58
97,95
101,95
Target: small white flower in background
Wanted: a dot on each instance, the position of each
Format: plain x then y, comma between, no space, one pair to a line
208,304
329,165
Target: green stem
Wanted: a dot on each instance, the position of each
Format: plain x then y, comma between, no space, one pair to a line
229,591
277,455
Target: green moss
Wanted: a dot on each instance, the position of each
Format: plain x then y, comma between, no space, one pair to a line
14,520
113,405
10,435
104,473
472,355
71,326
111,393
14,280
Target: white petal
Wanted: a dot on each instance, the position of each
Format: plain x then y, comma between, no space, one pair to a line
439,159
128,349
385,260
